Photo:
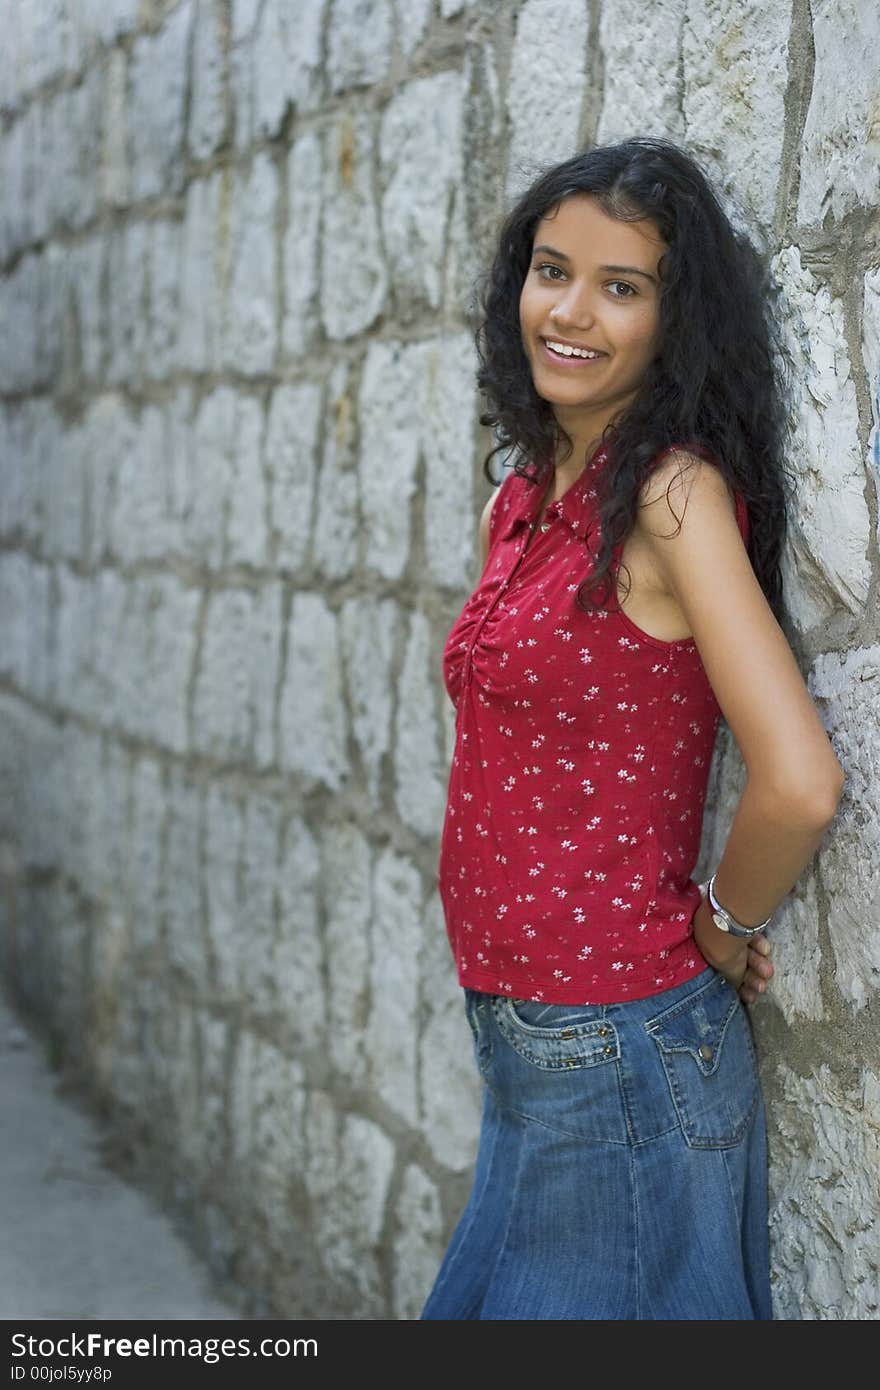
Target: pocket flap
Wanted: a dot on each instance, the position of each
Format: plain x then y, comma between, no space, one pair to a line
698,1024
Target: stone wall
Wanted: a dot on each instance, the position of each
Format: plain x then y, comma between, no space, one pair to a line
240,484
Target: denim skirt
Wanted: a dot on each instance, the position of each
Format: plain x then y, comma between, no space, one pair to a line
622,1162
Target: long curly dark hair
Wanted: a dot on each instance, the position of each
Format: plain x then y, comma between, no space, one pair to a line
718,381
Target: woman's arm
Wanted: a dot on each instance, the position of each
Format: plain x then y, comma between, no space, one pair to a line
794,781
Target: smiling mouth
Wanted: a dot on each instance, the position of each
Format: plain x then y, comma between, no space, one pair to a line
569,358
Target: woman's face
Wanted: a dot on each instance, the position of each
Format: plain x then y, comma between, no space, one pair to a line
592,281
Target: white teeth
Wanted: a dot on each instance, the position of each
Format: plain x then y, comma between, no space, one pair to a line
565,351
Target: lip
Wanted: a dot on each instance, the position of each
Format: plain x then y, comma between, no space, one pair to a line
564,363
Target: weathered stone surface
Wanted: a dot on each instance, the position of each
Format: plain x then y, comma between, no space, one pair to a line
113,172
304,1016
157,79
546,87
393,378
223,839
447,412
848,685
291,449
643,39
390,1036
825,562
237,674
358,43
348,1174
301,245
825,1156
348,914
735,72
354,280
418,1224
335,530
449,1082
208,112
145,871
797,956
250,309
367,631
411,21
203,247
180,889
420,785
417,196
312,718
840,159
288,62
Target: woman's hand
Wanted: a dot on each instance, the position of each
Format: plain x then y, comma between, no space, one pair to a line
745,962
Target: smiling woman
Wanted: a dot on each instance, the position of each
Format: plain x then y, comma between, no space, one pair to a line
622,1168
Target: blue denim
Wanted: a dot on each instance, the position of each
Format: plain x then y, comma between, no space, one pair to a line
622,1162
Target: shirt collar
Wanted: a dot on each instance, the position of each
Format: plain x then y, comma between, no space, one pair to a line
574,506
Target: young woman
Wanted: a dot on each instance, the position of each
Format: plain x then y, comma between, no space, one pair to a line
627,351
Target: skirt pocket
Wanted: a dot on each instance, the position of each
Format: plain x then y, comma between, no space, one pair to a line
708,1054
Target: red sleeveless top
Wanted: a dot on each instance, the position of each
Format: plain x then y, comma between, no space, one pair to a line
578,779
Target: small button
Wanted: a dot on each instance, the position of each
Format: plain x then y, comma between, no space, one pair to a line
602,1032
608,1049
706,1052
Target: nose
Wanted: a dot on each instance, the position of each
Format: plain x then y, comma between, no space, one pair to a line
574,310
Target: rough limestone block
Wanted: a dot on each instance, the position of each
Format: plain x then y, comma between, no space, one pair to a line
247,505
185,936
367,629
141,521
266,1129
223,839
447,412
208,111
145,867
825,560
290,453
354,280
735,67
417,195
234,694
348,1176
163,300
359,35
348,912
301,248
417,1234
391,1039
390,436
297,957
412,18
113,171
287,67
449,1082
250,304
312,715
825,1157
797,956
546,87
419,781
336,523
643,39
157,78
849,685
840,157
203,250
257,915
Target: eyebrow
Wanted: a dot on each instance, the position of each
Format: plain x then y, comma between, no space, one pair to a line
620,269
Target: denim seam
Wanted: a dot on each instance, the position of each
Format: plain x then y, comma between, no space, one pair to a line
635,1198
